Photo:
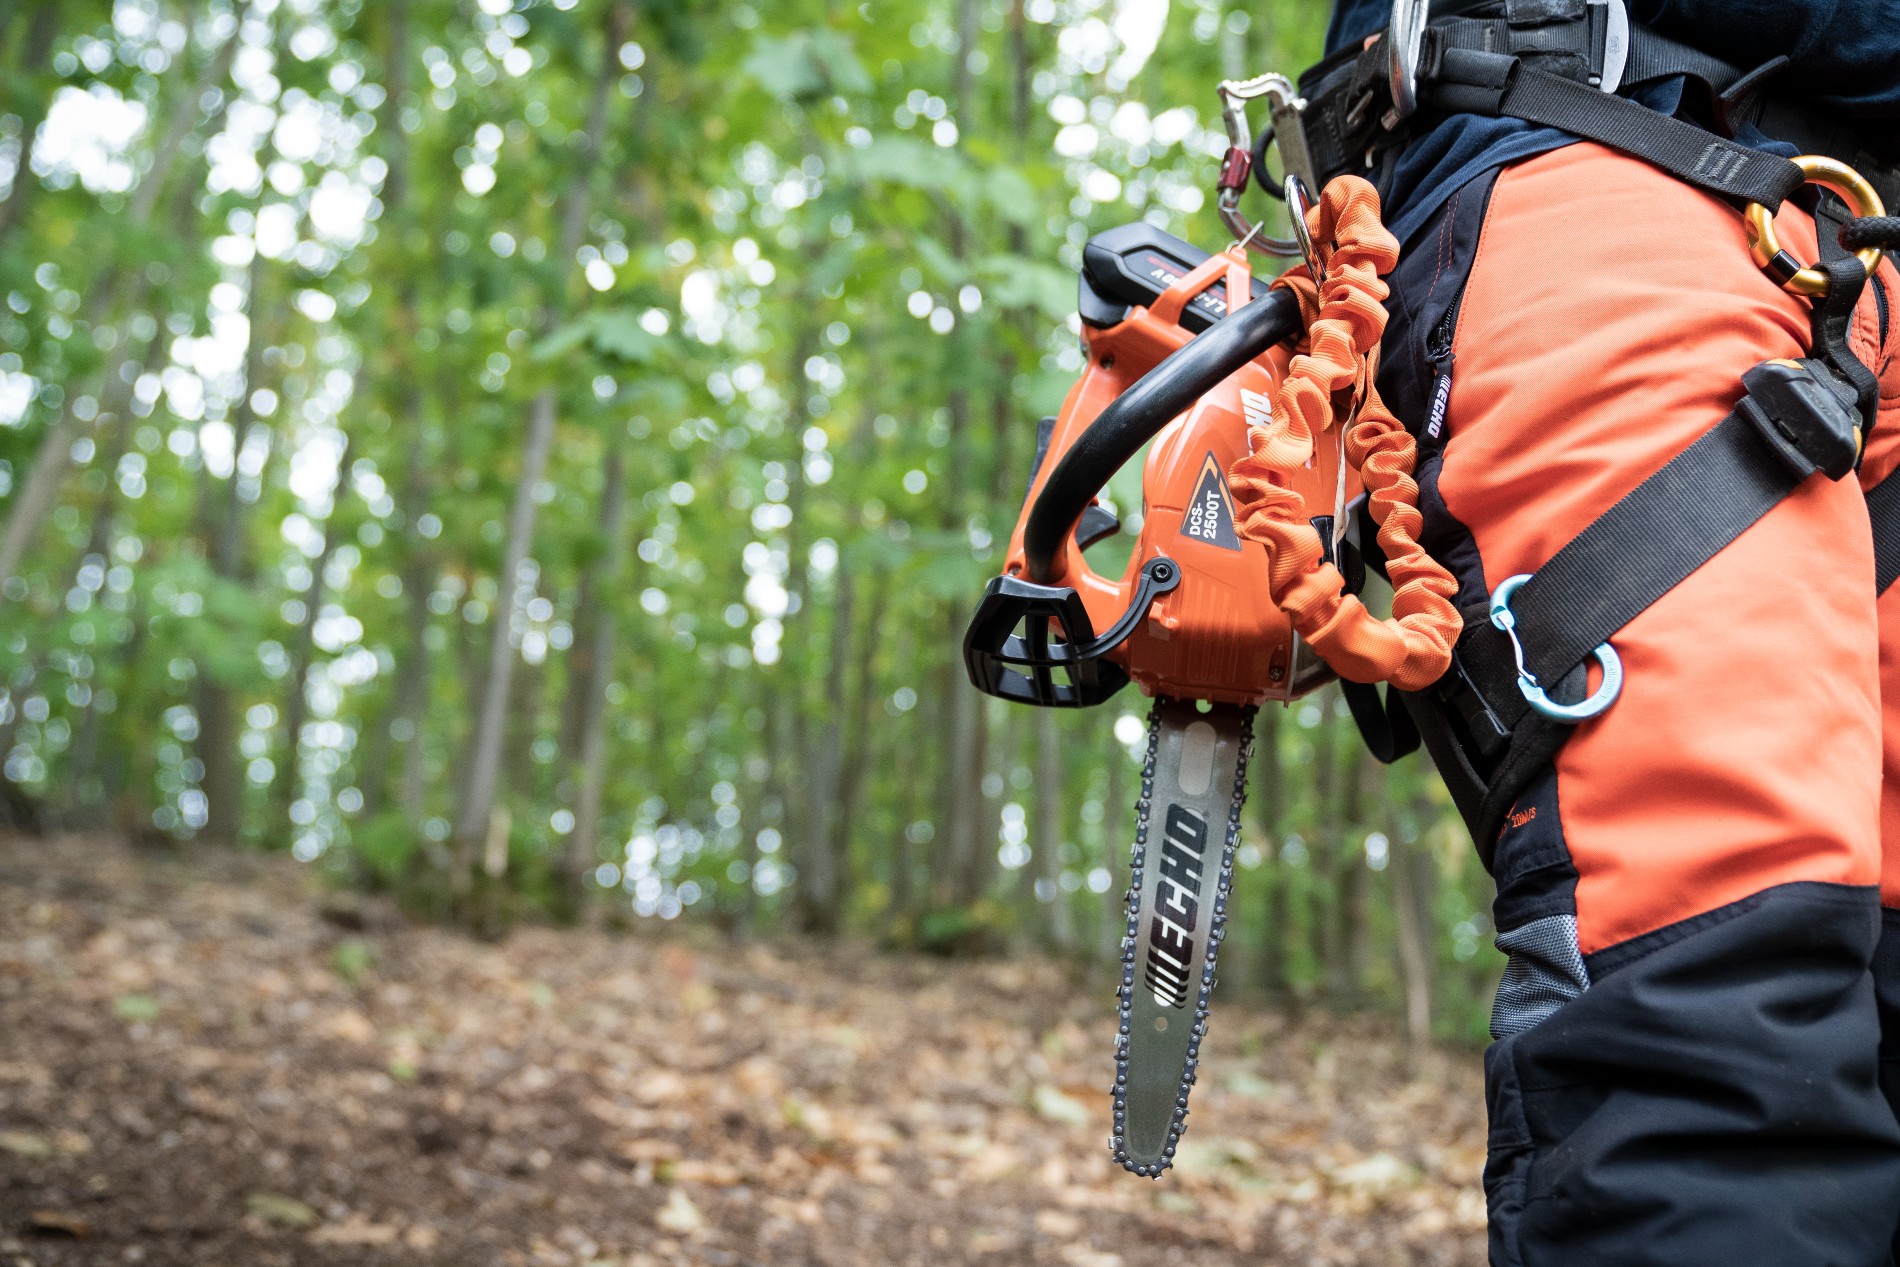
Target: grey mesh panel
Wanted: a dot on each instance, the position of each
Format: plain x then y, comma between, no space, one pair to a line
1545,972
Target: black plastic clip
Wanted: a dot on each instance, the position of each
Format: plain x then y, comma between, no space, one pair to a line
1807,416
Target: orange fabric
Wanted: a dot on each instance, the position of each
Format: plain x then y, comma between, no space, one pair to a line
1345,322
1607,322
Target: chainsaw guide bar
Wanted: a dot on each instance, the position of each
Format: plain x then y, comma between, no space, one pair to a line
1196,768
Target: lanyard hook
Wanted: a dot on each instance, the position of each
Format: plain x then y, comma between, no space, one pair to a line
1238,164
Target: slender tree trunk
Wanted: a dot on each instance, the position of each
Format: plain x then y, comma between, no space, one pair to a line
1321,927
792,725
1050,822
590,777
484,765
34,500
414,664
963,88
289,776
1270,796
39,46
820,879
1117,847
859,726
1414,940
223,782
580,669
1346,982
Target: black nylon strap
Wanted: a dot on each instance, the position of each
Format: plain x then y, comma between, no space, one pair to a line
1832,321
1385,725
1654,56
1683,150
1672,523
1651,56
1883,509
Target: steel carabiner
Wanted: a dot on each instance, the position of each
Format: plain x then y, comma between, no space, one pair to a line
1534,694
1234,96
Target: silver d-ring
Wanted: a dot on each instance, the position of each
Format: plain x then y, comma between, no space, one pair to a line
1404,40
1534,694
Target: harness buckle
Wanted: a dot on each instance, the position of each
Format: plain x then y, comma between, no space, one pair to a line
1503,618
1609,43
1803,416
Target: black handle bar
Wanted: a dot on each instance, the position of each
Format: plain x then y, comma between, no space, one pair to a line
1133,418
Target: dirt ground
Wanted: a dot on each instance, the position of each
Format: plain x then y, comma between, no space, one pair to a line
200,1068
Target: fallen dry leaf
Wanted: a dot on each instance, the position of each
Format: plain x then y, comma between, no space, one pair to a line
355,1231
679,1215
61,1223
274,1207
20,1144
562,1105
1375,1176
1059,1106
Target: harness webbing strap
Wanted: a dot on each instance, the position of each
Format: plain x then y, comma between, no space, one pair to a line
1883,510
1654,56
1687,152
1669,525
1651,56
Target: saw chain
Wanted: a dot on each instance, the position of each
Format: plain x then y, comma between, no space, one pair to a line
1177,914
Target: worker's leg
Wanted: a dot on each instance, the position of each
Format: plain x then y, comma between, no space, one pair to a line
1686,1065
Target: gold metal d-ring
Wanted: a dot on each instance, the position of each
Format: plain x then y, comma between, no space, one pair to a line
1765,246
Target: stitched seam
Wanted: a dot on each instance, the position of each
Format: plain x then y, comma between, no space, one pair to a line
1444,233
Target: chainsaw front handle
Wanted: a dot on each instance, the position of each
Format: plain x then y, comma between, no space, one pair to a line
1138,414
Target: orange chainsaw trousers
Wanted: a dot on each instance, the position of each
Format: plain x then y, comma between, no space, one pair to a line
1689,1033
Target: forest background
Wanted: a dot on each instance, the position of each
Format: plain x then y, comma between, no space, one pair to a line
537,458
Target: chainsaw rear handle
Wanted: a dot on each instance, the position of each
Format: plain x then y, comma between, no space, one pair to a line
1134,417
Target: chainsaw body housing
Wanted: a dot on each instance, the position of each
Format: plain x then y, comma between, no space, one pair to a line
1214,633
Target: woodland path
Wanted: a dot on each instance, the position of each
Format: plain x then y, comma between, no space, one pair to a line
205,1062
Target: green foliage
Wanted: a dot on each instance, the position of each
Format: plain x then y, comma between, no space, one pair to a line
822,285
136,1007
807,65
352,960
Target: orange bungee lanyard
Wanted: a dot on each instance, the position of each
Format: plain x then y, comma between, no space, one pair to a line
1330,384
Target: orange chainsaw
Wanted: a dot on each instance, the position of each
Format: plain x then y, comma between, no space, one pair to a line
1175,359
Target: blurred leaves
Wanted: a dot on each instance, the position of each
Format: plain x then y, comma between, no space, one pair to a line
810,301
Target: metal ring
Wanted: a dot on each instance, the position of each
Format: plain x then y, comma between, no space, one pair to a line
1404,39
1764,245
1533,691
1298,198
